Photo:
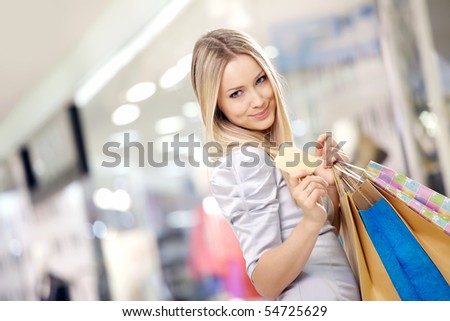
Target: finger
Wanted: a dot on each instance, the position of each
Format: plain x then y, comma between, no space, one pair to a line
322,138
300,174
330,151
333,155
292,181
311,188
319,146
314,180
313,198
301,190
316,184
324,143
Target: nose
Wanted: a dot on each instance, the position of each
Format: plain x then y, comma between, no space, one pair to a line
256,98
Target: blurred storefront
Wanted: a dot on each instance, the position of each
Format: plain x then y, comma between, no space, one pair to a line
109,199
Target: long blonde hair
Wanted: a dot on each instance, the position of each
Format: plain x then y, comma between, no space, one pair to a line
211,54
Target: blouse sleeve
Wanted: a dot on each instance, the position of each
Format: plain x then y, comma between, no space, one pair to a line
245,188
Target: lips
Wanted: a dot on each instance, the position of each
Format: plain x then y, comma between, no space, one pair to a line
261,114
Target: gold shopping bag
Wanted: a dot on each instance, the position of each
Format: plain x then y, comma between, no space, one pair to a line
374,281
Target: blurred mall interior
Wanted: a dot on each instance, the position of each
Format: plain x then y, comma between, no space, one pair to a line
96,205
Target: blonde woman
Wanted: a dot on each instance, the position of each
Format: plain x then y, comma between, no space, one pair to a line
283,222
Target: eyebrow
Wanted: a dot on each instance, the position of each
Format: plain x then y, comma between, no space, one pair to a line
240,87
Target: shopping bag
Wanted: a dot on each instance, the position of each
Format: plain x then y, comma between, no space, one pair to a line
388,267
374,281
430,204
423,209
413,273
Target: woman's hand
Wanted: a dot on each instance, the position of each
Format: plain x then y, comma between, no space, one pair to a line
329,151
307,190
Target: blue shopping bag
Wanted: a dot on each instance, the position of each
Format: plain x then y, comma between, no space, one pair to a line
413,274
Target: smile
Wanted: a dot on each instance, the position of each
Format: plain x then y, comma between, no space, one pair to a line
262,114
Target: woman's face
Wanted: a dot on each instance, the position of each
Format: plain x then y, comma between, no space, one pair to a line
245,95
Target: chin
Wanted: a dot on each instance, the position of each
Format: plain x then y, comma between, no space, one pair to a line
267,124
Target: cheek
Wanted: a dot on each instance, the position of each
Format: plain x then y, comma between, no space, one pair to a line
233,110
272,94
268,92
237,107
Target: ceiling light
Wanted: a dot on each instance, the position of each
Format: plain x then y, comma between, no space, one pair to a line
105,199
191,109
140,91
170,125
171,77
271,51
185,62
177,73
102,198
121,200
101,77
430,121
99,229
125,114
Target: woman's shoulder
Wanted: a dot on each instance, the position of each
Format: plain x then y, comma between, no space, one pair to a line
244,175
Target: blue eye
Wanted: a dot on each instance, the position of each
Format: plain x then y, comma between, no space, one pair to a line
261,79
236,94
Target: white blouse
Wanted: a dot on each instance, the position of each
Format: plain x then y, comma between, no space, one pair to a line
256,201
